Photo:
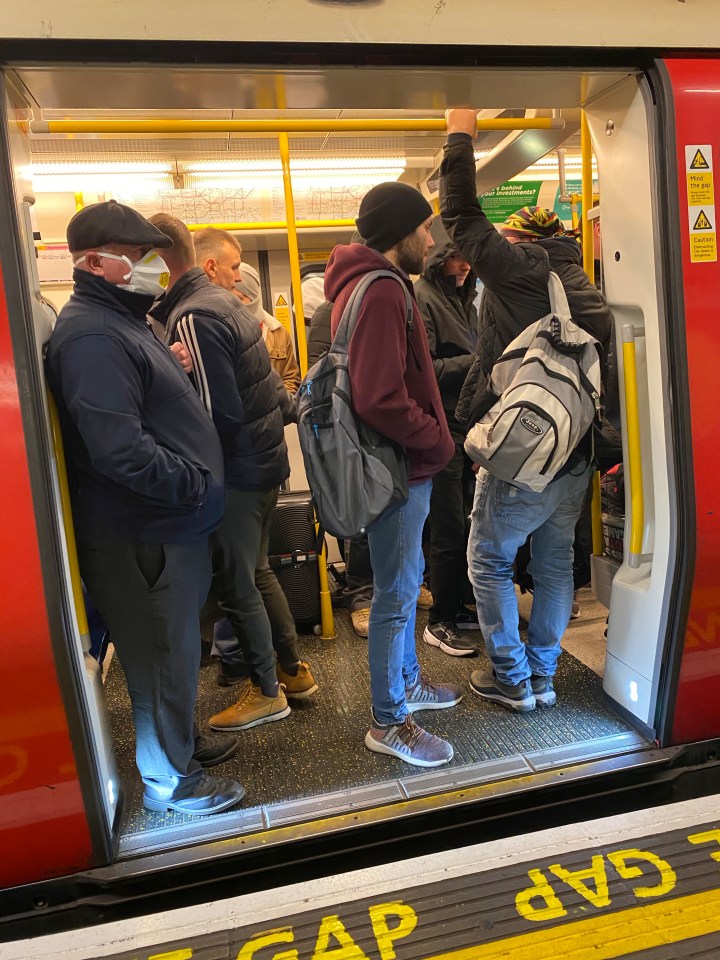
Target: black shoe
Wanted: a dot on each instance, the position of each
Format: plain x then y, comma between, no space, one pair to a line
542,688
445,636
208,753
467,620
518,697
206,796
230,675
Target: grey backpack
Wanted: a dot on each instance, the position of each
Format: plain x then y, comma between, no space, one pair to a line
548,384
354,472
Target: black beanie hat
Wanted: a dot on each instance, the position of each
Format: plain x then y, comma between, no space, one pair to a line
389,213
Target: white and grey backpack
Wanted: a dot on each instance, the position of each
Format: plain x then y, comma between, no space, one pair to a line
548,383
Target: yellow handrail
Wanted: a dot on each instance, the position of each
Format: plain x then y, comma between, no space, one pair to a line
596,516
587,197
281,125
75,579
327,623
274,225
589,267
294,252
635,472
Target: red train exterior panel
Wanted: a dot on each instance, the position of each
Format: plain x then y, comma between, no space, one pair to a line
696,93
43,823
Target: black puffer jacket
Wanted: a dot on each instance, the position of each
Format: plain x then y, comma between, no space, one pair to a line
232,372
319,336
515,274
451,322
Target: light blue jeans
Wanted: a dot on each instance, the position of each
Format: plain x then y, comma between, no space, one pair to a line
398,564
503,517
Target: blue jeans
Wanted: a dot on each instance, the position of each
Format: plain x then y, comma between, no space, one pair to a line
503,517
397,563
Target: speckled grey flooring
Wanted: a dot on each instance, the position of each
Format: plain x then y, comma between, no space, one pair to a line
319,747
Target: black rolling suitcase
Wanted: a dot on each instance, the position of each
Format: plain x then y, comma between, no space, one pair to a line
293,554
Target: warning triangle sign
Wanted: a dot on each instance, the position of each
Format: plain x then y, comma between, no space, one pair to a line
699,162
281,301
702,222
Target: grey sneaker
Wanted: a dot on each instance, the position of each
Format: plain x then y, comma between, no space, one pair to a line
517,696
450,640
431,696
542,687
409,742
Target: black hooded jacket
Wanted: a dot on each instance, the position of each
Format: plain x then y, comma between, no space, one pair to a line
515,275
451,322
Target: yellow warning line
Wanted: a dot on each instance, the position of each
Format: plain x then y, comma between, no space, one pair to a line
618,934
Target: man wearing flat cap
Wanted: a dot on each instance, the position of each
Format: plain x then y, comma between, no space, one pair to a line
514,264
146,478
395,390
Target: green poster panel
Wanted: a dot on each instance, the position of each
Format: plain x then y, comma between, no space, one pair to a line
501,201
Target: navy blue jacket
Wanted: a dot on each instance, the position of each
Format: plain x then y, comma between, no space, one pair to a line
233,375
144,460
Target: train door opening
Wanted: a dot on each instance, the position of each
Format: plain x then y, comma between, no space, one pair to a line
314,764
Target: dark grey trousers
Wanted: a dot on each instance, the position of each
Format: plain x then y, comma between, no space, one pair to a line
450,506
150,596
247,591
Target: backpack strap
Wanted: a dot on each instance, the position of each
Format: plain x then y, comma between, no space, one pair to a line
558,298
346,327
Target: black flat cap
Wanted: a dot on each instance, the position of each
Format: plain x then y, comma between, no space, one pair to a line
112,222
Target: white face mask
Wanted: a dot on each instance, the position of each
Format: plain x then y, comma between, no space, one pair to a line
149,275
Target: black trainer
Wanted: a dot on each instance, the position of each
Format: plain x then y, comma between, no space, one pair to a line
518,697
203,797
542,687
229,675
450,640
467,619
209,753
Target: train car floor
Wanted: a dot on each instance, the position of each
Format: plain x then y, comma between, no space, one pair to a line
314,763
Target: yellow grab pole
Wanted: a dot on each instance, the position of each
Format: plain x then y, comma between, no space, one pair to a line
79,201
589,267
587,197
274,225
327,623
596,516
281,125
75,580
294,252
632,416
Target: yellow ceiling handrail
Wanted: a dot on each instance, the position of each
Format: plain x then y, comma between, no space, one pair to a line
274,225
368,125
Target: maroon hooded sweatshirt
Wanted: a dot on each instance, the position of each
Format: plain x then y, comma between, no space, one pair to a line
394,388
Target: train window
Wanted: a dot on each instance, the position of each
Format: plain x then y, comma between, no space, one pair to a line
313,764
